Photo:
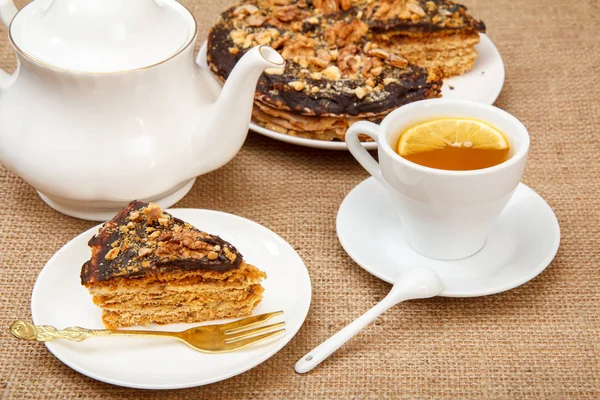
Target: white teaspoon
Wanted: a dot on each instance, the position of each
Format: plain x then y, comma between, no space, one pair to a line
416,283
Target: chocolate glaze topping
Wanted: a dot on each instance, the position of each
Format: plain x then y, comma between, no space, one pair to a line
386,90
143,239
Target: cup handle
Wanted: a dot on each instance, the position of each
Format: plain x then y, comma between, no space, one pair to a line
359,152
7,12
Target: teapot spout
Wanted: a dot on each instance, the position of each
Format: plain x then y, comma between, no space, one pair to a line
233,109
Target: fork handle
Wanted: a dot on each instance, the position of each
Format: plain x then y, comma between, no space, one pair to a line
43,333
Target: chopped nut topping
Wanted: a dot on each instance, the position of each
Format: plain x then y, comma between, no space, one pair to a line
342,33
248,41
144,251
266,36
297,85
274,71
245,9
379,53
313,20
164,220
315,89
345,4
112,254
431,6
397,61
387,81
153,213
154,235
332,73
234,50
256,20
164,237
316,76
134,215
328,6
238,36
302,45
377,71
360,92
286,13
131,225
212,255
318,61
416,9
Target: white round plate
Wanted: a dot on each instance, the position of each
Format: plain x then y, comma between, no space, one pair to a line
161,363
482,84
523,242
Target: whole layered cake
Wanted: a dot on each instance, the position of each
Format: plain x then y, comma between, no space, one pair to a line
148,267
345,60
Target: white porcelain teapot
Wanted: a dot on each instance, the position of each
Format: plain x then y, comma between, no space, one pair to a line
107,104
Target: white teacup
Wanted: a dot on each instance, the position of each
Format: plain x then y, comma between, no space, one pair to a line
445,215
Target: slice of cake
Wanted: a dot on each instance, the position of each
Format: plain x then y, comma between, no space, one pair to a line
150,267
437,34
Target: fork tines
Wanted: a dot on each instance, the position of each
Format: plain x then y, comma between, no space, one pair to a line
238,335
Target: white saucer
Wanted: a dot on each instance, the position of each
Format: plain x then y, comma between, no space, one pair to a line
59,300
523,242
482,84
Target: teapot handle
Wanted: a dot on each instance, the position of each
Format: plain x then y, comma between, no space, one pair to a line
7,12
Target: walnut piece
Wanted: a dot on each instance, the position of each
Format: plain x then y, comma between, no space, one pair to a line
327,6
286,13
360,92
397,61
431,6
332,73
274,71
266,36
245,9
297,85
238,36
212,255
416,9
153,213
256,20
112,254
300,46
144,251
342,33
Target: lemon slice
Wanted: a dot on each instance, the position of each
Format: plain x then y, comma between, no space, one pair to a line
451,132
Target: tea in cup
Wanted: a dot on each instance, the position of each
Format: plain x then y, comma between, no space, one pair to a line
450,167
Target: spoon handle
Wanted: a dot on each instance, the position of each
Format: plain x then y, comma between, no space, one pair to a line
416,283
325,349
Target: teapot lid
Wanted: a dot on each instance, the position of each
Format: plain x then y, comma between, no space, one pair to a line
102,35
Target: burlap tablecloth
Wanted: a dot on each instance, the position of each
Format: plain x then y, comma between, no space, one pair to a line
541,340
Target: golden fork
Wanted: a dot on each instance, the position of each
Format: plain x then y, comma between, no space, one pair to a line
218,338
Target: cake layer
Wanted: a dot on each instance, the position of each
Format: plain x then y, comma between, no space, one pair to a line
446,55
130,300
167,315
241,277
